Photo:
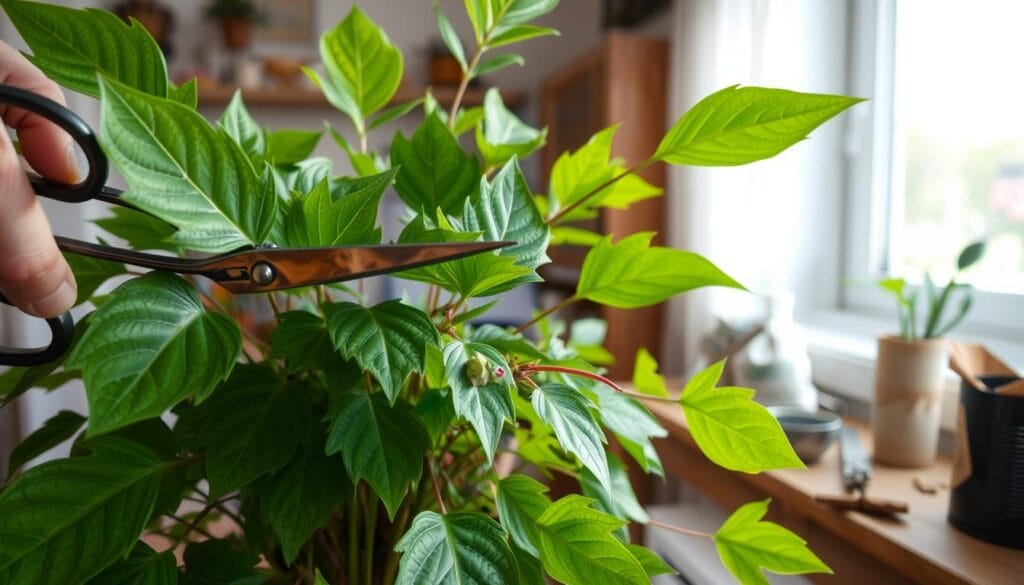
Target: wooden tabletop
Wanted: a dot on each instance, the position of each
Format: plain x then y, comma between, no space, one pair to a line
921,545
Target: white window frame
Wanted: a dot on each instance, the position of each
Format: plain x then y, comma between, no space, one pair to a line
871,208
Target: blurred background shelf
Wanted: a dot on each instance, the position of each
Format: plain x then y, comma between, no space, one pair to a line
214,95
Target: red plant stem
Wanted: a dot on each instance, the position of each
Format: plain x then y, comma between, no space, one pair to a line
437,487
529,369
562,213
565,302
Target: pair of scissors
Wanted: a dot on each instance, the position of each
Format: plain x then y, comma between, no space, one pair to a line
247,270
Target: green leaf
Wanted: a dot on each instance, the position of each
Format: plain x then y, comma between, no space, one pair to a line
571,236
731,429
467,119
450,37
505,210
503,136
646,378
568,412
970,255
633,425
530,570
505,341
521,501
302,338
653,564
363,163
150,346
363,68
436,411
243,129
142,567
181,170
287,147
388,340
620,501
394,113
485,406
434,170
186,94
256,422
456,548
634,274
71,46
217,562
512,12
323,219
302,176
739,125
142,231
577,546
497,62
66,520
57,429
747,545
520,33
379,443
91,273
298,499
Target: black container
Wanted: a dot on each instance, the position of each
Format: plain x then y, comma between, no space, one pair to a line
989,503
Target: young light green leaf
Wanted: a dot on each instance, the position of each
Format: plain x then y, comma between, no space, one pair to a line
364,164
388,340
456,548
142,567
66,520
71,46
571,236
496,63
186,94
91,273
568,412
731,429
748,545
434,171
634,274
520,33
363,68
298,499
287,147
57,429
646,378
379,443
521,501
577,546
323,219
256,423
512,12
450,37
243,129
150,346
505,210
142,231
620,501
467,119
633,425
652,563
486,406
504,136
181,170
739,125
394,113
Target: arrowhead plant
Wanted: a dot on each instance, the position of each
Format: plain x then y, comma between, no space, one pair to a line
357,441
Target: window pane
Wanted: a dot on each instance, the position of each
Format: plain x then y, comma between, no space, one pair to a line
958,172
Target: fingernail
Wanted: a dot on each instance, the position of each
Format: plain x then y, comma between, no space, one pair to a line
56,302
74,172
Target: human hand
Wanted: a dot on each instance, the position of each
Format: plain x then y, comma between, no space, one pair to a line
33,274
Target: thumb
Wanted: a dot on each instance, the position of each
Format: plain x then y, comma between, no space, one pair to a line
33,274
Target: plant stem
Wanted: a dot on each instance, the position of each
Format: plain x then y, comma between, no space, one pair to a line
569,208
467,76
193,525
679,530
371,529
273,305
437,487
529,369
181,520
353,543
565,302
333,558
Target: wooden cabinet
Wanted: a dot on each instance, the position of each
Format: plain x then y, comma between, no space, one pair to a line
623,81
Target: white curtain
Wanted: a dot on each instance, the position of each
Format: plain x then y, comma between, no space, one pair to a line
773,225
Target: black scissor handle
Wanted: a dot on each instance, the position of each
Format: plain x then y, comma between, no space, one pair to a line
79,131
62,330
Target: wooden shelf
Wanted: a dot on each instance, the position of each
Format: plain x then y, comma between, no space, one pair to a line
302,96
918,547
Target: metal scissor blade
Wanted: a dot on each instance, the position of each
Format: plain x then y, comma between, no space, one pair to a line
295,267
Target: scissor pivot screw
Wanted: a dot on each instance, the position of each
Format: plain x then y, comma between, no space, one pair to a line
263,274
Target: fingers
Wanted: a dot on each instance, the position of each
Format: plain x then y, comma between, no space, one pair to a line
33,274
45,146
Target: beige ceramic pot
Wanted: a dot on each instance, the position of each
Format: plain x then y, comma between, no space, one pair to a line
909,379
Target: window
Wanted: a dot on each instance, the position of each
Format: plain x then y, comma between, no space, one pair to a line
937,160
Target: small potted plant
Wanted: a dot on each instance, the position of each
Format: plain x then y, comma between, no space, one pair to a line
910,367
236,19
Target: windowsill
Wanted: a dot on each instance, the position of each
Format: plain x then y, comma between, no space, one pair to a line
842,346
